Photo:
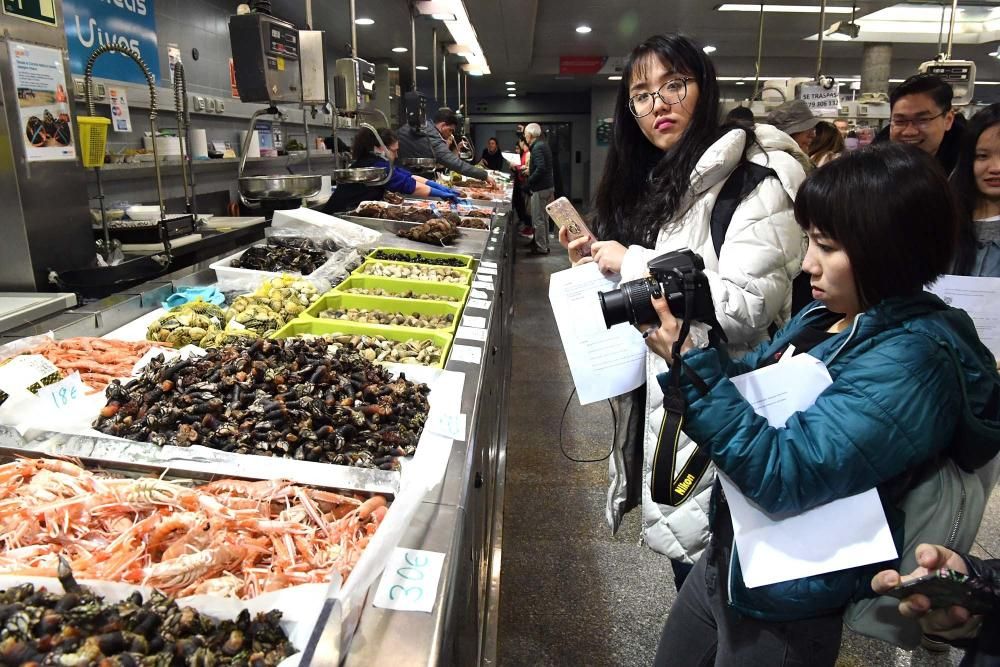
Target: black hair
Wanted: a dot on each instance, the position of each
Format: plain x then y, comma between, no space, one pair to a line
493,139
963,182
740,115
890,207
365,143
446,116
926,84
642,186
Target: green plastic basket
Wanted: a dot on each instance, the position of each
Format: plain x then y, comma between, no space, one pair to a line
395,287
305,325
389,305
365,267
465,259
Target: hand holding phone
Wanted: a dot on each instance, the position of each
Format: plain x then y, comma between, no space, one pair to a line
945,588
565,217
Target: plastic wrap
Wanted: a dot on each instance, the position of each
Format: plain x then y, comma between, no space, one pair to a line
315,225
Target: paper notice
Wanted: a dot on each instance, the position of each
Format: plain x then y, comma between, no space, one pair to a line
480,304
604,362
466,353
471,333
980,298
478,294
473,321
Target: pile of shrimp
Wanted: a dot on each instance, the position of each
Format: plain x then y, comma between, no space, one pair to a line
98,360
229,537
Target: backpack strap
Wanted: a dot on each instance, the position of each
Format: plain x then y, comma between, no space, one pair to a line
743,180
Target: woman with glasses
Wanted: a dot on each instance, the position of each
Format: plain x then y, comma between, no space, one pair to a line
976,181
367,153
667,163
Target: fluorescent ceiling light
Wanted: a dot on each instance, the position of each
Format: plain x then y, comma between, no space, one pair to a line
399,49
510,83
913,23
364,21
615,77
422,68
511,88
781,9
740,83
709,49
583,29
444,17
393,69
463,35
512,95
475,72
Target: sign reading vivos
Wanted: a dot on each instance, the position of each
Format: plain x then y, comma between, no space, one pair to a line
94,23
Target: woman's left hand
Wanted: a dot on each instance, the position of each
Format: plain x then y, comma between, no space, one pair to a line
660,339
608,255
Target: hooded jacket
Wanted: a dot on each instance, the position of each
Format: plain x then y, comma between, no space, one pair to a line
911,383
751,287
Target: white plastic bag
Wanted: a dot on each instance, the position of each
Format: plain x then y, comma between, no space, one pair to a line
315,225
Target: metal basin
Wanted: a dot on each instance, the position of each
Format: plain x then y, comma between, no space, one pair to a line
359,175
280,187
420,162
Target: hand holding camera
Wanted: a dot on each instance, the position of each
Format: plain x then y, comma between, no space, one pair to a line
660,339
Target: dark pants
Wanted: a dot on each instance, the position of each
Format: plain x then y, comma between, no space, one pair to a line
521,204
702,629
681,571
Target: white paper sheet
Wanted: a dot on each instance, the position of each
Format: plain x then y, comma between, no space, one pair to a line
487,270
466,353
473,321
980,298
604,362
478,294
481,284
489,264
471,333
479,304
844,533
410,581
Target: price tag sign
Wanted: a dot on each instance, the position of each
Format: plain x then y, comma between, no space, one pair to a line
474,321
481,304
491,247
485,278
62,394
471,333
467,353
482,285
488,270
450,426
410,580
491,265
478,294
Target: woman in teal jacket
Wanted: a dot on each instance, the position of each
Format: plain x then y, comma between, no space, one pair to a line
911,382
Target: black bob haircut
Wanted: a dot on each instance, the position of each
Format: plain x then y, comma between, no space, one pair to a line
927,84
365,142
890,207
446,116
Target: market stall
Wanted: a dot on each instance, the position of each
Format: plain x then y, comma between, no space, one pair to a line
378,398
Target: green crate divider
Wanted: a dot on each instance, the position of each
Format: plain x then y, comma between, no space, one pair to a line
387,304
398,285
304,324
467,259
360,271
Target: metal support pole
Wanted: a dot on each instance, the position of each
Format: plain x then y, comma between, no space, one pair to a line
458,88
413,50
822,29
434,62
444,80
309,14
354,32
951,26
760,54
466,89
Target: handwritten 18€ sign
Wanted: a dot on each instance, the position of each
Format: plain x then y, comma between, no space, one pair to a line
821,101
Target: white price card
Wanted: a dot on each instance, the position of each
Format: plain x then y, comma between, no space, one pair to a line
466,353
481,304
64,393
491,265
491,247
410,580
450,426
482,285
485,278
478,294
474,321
489,270
471,333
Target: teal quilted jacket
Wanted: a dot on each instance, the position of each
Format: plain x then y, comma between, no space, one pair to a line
911,382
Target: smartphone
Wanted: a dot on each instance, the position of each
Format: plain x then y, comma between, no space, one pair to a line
945,588
564,215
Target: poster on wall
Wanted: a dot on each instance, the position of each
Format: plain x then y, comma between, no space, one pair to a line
39,11
42,103
121,121
821,101
130,23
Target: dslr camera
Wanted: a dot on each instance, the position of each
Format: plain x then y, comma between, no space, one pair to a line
679,276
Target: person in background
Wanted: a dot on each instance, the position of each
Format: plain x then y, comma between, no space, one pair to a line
842,126
492,157
432,141
976,181
368,153
540,183
913,389
979,634
521,196
668,160
827,145
921,114
740,115
795,119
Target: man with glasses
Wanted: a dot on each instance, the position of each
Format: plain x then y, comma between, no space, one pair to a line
921,115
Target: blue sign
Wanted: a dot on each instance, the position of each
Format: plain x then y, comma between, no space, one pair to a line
94,23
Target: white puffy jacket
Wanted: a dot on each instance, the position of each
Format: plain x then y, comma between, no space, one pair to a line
751,286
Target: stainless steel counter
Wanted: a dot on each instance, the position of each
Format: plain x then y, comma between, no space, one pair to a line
461,517
17,308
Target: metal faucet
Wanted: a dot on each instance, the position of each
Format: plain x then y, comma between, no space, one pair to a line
184,137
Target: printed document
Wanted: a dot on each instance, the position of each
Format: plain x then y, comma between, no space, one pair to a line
980,298
604,362
843,533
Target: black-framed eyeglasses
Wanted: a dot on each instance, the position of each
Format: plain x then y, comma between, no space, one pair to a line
672,92
919,123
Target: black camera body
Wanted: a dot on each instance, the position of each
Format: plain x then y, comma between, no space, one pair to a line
679,276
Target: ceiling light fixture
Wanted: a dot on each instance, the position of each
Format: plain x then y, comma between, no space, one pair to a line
463,35
393,69
364,21
422,68
511,88
709,49
740,83
444,17
615,77
780,9
399,49
583,29
511,94
510,83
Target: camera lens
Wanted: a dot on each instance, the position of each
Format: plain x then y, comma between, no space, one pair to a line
613,307
630,303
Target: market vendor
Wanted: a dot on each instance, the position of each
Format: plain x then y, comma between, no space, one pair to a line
431,141
368,153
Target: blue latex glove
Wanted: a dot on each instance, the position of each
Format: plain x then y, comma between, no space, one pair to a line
188,294
444,193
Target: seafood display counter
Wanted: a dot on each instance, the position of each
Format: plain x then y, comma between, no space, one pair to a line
458,519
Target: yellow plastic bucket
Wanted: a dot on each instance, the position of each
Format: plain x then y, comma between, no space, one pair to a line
93,139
